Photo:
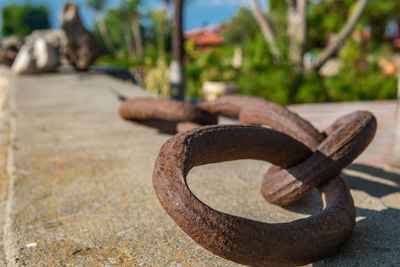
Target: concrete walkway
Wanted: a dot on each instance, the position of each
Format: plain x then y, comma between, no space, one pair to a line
76,185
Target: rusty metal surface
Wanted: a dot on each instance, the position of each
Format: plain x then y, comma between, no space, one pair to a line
238,239
166,126
304,158
334,149
165,114
187,125
352,135
257,111
230,105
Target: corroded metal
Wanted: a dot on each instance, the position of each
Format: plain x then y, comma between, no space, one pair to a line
348,138
168,126
334,149
304,159
184,126
165,114
257,111
238,239
230,105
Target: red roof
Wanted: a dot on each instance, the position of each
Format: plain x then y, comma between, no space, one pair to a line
205,37
209,39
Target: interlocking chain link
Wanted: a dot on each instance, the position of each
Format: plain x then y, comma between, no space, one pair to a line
304,158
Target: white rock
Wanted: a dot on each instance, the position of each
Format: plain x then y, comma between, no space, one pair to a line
35,57
54,37
25,61
47,57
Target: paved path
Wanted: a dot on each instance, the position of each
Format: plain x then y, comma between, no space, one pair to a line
380,152
80,191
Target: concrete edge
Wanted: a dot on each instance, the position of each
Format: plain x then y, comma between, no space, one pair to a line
10,110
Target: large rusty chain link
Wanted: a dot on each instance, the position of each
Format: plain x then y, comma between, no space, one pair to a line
167,115
304,158
334,149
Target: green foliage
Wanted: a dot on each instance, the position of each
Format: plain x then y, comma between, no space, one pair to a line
119,62
260,77
325,18
115,24
241,27
161,29
218,74
131,8
213,65
359,78
277,5
361,85
22,19
379,14
329,17
155,30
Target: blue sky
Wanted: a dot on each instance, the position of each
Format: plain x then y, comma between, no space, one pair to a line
197,12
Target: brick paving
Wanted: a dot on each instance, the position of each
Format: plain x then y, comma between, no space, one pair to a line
380,152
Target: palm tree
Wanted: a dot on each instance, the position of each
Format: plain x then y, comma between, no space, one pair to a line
297,32
177,68
98,6
133,16
121,13
159,20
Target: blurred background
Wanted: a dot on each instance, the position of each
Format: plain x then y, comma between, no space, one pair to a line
285,51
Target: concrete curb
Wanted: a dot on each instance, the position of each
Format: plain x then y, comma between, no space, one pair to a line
10,110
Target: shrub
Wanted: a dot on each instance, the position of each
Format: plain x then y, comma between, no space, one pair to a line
157,79
22,19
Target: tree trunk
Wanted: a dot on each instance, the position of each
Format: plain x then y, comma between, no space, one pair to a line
266,29
344,33
162,31
104,34
297,31
128,39
177,66
137,36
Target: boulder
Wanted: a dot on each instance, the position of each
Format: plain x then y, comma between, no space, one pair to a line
54,37
81,47
47,56
37,56
25,61
9,48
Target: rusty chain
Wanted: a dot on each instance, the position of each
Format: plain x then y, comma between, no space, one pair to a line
238,239
304,157
167,115
334,149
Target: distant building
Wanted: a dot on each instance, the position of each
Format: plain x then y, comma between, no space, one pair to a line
205,38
